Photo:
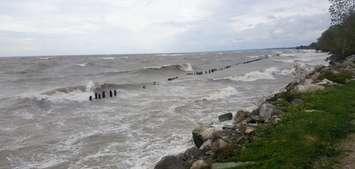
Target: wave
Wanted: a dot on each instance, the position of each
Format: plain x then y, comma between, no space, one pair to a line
267,74
82,93
108,58
186,67
82,64
223,93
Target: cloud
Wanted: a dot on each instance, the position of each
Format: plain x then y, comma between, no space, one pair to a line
42,27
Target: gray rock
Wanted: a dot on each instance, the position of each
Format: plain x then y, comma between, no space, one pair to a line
266,111
308,86
215,145
230,165
249,130
201,134
225,117
197,136
170,162
190,155
201,164
180,161
297,101
326,82
241,116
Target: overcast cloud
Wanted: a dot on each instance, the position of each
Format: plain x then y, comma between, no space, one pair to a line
45,27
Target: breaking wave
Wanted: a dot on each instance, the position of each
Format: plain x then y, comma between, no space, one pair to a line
223,93
267,74
186,67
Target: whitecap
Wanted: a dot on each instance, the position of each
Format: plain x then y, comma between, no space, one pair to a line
187,67
82,64
59,96
223,93
45,58
108,58
257,75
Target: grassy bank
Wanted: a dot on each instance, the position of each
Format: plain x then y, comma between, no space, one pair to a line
308,133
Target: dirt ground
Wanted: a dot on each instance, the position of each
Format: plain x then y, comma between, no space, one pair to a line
348,161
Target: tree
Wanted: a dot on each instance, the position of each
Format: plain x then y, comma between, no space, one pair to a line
340,9
339,39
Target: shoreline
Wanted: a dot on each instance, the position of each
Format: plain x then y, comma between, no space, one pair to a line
213,145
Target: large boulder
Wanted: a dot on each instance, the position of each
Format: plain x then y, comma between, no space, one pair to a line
202,133
170,162
190,155
180,161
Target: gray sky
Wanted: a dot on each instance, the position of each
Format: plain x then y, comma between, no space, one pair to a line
45,27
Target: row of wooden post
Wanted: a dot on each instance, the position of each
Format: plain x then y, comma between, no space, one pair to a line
103,95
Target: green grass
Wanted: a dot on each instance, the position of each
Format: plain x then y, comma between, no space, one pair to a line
340,77
307,135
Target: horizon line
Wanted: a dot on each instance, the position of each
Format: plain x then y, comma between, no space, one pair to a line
153,53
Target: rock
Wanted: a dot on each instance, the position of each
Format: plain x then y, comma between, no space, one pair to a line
241,116
201,134
314,76
230,165
241,126
266,111
326,82
190,155
249,130
308,88
276,120
197,136
201,164
170,162
255,117
225,117
220,145
215,145
180,161
299,72
297,101
206,145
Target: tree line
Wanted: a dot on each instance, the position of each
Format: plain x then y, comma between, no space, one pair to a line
339,38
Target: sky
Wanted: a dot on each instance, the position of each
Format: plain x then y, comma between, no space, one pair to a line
76,27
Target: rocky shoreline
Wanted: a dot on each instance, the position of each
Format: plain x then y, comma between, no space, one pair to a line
213,144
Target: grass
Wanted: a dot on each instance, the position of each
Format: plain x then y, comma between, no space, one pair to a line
340,77
308,133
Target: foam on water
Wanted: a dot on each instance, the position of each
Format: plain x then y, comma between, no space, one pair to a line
222,93
82,64
46,126
108,58
267,74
